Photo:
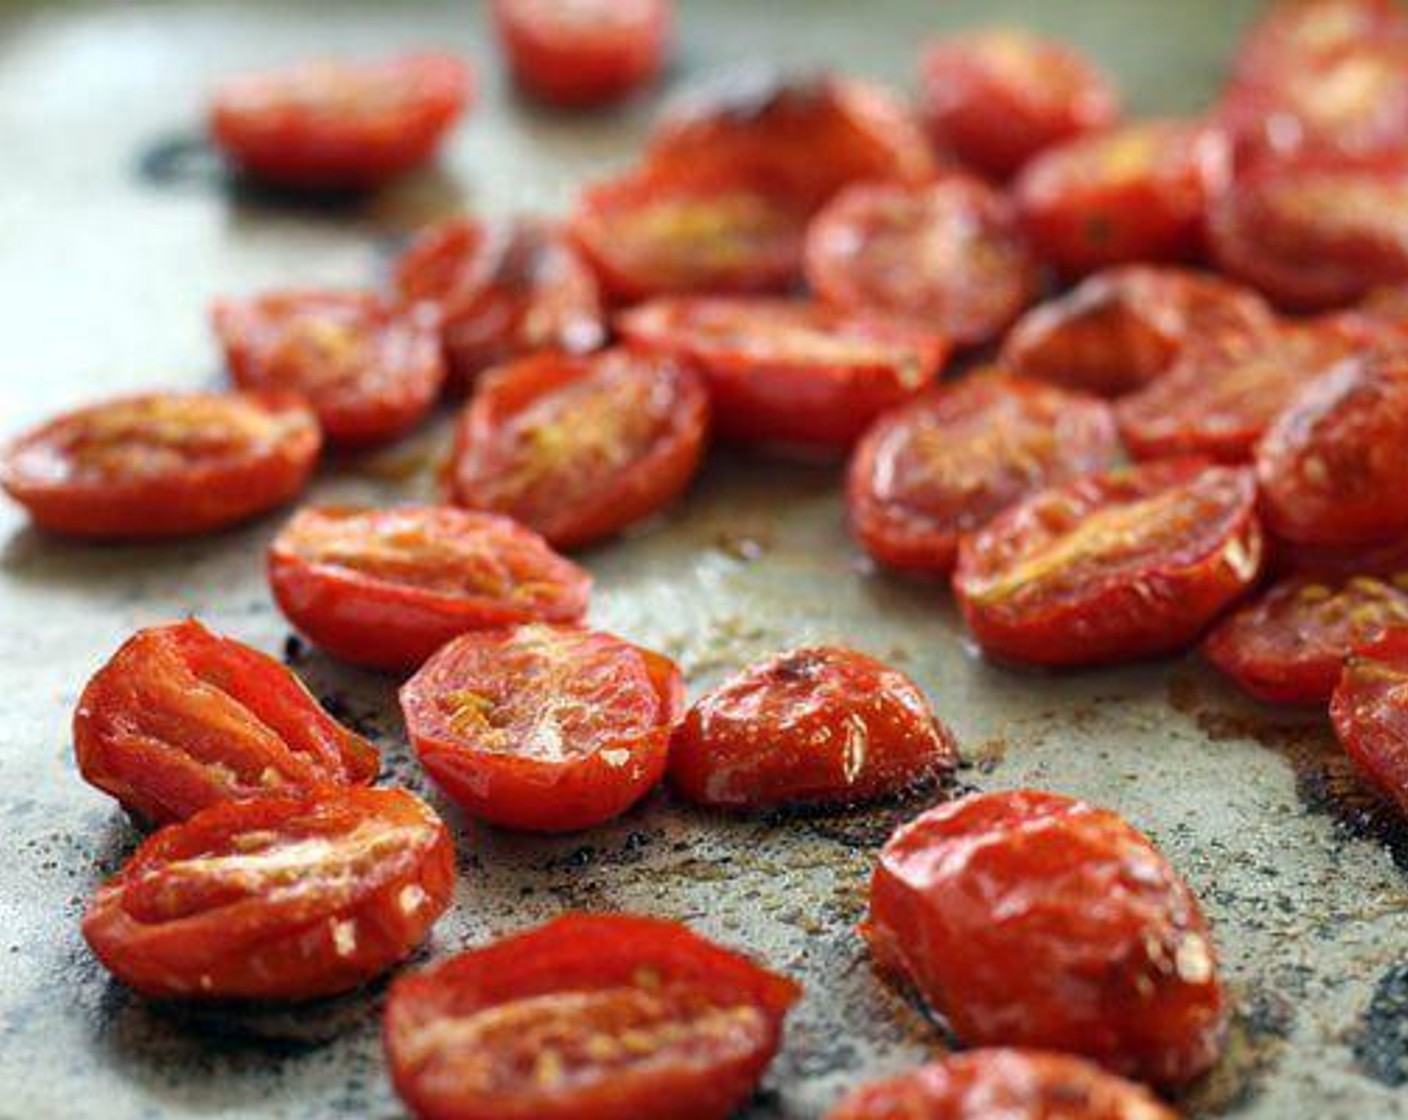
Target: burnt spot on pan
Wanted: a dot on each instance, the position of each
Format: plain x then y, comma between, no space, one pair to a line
1380,1041
1256,1039
866,828
181,160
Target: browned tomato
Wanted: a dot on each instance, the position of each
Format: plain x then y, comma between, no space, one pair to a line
1370,713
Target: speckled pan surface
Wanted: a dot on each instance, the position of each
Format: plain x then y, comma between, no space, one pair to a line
114,235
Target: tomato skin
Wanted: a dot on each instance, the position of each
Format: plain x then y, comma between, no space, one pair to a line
1296,32
387,588
1031,919
284,898
162,465
580,974
1130,563
1367,712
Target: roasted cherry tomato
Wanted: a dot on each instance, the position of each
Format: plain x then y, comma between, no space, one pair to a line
581,53
580,448
162,465
282,898
996,97
1131,563
368,371
340,125
590,1017
181,718
1377,322
544,728
809,727
790,371
387,588
502,292
1007,1083
1030,919
1370,713
1135,193
1294,33
947,256
956,456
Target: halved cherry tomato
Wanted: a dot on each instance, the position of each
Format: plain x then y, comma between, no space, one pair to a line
1377,322
180,719
580,53
369,372
1294,33
952,459
340,125
789,371
589,1017
544,728
162,464
947,256
1031,919
285,898
578,448
1370,713
1135,193
998,96
387,588
502,292
1131,563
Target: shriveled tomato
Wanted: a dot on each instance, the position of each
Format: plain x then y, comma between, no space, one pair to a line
387,588
580,448
544,728
501,291
340,125
1135,193
789,371
589,1017
952,459
1031,919
368,371
281,898
1370,713
181,718
162,464
581,53
1130,563
947,256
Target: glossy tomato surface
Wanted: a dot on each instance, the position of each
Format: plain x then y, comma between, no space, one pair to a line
1030,919
281,898
1370,713
1131,563
589,1017
163,464
387,588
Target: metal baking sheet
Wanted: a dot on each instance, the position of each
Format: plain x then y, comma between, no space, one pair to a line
115,232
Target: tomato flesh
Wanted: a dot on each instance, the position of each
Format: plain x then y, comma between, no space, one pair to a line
1370,712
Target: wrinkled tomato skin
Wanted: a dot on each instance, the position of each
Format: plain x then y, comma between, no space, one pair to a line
1030,919
387,588
1024,595
1368,712
582,973
810,727
352,883
103,472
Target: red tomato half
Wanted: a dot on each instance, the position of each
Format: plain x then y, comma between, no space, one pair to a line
1295,33
955,457
1130,563
368,371
580,448
545,728
340,125
387,588
947,256
1370,713
590,1017
162,465
580,53
286,898
1030,919
790,371
181,718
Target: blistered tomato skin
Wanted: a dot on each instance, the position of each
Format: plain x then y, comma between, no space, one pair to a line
1029,919
285,898
1370,712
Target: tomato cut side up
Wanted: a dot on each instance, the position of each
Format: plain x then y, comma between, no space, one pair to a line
1370,712
1295,33
387,588
1131,563
1030,919
589,1017
952,459
162,464
579,448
